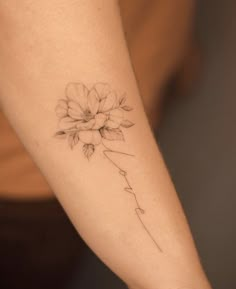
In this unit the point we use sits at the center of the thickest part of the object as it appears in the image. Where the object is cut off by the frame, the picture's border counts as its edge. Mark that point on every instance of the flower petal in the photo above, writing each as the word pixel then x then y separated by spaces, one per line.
pixel 61 108
pixel 101 104
pixel 85 125
pixel 109 103
pixel 75 110
pixel 61 112
pixel 102 89
pixel 62 103
pixel 67 123
pixel 115 118
pixel 93 101
pixel 78 93
pixel 90 136
pixel 112 124
pixel 100 120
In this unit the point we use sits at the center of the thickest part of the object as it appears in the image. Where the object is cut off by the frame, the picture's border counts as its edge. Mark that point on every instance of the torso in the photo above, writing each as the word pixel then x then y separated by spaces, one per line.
pixel 19 177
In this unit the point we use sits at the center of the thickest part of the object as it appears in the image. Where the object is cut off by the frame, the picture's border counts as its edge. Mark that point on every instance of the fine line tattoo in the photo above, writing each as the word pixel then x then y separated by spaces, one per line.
pixel 128 188
pixel 92 116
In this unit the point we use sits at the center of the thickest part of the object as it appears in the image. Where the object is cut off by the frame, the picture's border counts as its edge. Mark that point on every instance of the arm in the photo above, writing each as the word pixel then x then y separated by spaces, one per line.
pixel 61 62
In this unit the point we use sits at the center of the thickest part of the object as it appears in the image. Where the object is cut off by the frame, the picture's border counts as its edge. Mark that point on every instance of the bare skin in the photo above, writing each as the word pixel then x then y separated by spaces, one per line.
pixel 159 45
pixel 105 168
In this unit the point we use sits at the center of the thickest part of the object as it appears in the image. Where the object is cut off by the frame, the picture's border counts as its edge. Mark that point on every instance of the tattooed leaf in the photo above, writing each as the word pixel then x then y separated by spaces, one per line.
pixel 60 134
pixel 126 123
pixel 122 100
pixel 112 133
pixel 127 108
pixel 73 139
pixel 88 150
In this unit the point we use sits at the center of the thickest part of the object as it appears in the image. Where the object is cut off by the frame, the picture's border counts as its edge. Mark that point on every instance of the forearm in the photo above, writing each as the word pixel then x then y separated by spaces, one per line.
pixel 117 193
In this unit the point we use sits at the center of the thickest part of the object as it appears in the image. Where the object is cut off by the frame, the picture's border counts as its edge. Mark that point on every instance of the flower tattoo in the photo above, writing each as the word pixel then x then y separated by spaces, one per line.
pixel 90 115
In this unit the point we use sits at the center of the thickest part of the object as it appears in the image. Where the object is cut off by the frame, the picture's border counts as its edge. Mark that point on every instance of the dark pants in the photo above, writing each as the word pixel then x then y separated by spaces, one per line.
pixel 39 248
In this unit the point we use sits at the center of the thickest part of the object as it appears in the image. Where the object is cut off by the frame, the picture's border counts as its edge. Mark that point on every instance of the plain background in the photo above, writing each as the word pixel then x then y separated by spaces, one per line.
pixel 198 141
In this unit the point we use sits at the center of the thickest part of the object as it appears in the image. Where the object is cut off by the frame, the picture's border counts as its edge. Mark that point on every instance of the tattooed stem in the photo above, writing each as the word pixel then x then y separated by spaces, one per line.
pixel 128 188
pixel 87 115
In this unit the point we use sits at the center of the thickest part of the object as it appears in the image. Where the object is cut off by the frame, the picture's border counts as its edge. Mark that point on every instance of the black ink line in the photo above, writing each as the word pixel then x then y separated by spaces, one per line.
pixel 130 190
